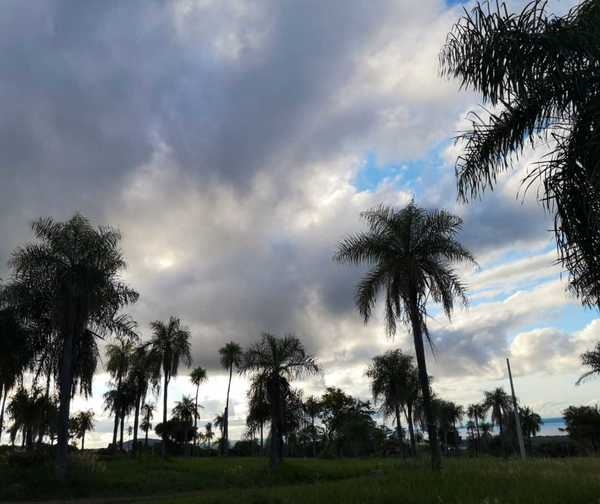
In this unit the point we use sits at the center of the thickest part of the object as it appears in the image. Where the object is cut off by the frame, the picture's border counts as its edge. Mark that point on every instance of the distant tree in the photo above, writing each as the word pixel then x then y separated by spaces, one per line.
pixel 26 413
pixel 498 403
pixel 208 434
pixel 185 411
pixel 531 423
pixel 146 425
pixel 231 357
pixel 312 408
pixel 583 424
pixel 276 361
pixel 81 423
pixel 410 252
pixel 590 359
pixel 197 377
pixel 395 383
pixel 539 74
pixel 476 412
pixel 170 346
pixel 75 268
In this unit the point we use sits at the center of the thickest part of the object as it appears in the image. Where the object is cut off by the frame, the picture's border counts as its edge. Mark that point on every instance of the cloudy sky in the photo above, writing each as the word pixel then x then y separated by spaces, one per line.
pixel 234 143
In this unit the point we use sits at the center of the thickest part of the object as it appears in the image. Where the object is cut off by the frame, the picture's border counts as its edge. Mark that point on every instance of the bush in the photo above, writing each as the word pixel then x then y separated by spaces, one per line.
pixel 28 458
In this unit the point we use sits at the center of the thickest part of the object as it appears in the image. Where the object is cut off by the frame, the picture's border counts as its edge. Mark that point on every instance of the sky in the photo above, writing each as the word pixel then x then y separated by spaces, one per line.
pixel 234 143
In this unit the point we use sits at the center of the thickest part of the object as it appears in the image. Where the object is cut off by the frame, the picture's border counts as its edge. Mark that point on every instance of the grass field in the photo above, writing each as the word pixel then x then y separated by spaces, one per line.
pixel 248 480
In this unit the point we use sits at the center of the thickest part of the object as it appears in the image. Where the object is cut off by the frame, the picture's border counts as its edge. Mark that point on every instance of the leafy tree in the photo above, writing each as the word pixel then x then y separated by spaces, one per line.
pixel 583 424
pixel 531 423
pixel 74 268
pixel 231 357
pixel 312 408
pixel 590 359
pixel 197 377
pixel 81 423
pixel 170 346
pixel 540 74
pixel 410 252
pixel 274 362
pixel 395 383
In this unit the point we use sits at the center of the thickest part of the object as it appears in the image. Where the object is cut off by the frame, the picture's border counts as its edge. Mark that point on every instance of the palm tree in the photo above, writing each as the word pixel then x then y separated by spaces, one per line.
pixel 171 346
pixel 118 359
pixel 197 376
pixel 16 355
pixel 410 252
pixel 539 73
pixel 312 407
pixel 147 410
pixel 259 410
pixel 274 362
pixel 476 412
pixel 144 372
pixel 531 423
pixel 209 434
pixel 186 412
pixel 84 421
pixel 75 268
pixel 27 414
pixel 499 403
pixel 394 383
pixel 590 359
pixel 231 356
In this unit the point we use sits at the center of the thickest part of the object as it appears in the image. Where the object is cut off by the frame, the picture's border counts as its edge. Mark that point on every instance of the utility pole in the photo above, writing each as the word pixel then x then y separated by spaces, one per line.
pixel 516 409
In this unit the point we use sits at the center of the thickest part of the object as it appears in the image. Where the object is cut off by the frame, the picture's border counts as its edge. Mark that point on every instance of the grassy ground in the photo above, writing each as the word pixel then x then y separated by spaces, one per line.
pixel 248 480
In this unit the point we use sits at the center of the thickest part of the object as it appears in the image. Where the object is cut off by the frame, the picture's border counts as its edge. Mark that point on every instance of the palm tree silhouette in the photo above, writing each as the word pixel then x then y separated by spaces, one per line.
pixel 208 434
pixel 274 362
pixel 394 383
pixel 197 377
pixel 531 423
pixel 147 412
pixel 170 346
pixel 84 422
pixel 231 356
pixel 590 359
pixel 538 75
pixel 75 268
pixel 476 412
pixel 410 252
pixel 499 404
pixel 186 412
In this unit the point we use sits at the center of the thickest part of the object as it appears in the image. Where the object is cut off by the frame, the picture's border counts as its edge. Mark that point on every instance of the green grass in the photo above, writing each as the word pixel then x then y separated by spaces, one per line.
pixel 248 480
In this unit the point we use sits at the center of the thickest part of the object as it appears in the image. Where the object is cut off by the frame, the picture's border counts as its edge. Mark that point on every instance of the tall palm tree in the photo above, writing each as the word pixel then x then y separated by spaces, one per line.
pixel 394 383
pixel 476 412
pixel 411 252
pixel 118 359
pixel 147 411
pixel 231 357
pixel 590 359
pixel 274 362
pixel 531 423
pixel 498 403
pixel 539 73
pixel 143 373
pixel 76 269
pixel 186 412
pixel 84 421
pixel 171 346
pixel 197 377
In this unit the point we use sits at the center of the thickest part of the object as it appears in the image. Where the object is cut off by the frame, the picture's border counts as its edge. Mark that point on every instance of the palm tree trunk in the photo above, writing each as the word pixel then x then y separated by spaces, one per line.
pixel 83 441
pixel 196 416
pixel 225 440
pixel 399 429
pixel 136 420
pixel 417 327
pixel 411 431
pixel 122 428
pixel 3 394
pixel 146 438
pixel 274 399
pixel 47 397
pixel 163 446
pixel 116 427
pixel 314 437
pixel 66 381
pixel 262 448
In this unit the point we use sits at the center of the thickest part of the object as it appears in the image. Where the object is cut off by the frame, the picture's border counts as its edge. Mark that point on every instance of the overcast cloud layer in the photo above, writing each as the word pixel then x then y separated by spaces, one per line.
pixel 226 140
